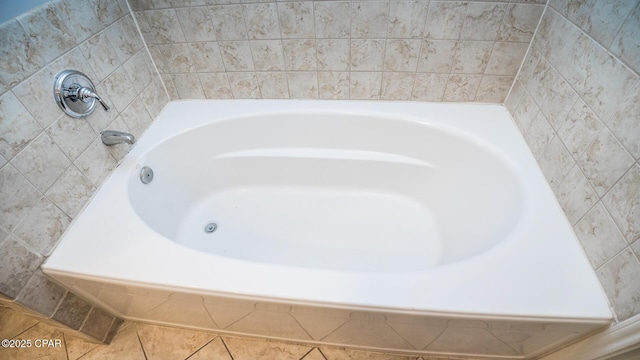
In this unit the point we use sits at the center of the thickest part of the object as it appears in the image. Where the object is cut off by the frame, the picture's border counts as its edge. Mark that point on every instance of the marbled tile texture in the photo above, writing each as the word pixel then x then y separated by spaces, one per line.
pixel 577 102
pixel 375 49
pixel 50 163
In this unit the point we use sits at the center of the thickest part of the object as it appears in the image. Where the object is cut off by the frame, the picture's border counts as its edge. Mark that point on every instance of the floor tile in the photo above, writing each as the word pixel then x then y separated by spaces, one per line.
pixel 215 350
pixel 169 343
pixel 250 349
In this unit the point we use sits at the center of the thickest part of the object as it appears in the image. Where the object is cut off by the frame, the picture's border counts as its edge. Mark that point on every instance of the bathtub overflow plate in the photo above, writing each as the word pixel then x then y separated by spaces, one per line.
pixel 210 227
pixel 146 175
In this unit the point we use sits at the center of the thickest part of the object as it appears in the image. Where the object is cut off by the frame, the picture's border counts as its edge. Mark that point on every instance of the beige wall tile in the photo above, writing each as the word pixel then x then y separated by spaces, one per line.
pixel 333 85
pixel 401 55
pixel 624 123
pixel 365 85
pixel 332 19
pixel 626 43
pixel 303 84
pixel 42 227
pixel 17 265
pixel 599 236
pixel 41 162
pixel 397 85
pixel 461 88
pixel 367 17
pixel 296 19
pixel 236 55
pixel 619 277
pixel 228 22
pixel 575 195
pixel 429 87
pixel 483 21
pixel 17 126
pixel 367 55
pixel 244 85
pixel 273 85
pixel 261 21
pixel 71 191
pixel 196 23
pixel 267 55
pixel 215 85
pixel 407 19
pixel 623 202
pixel 17 196
pixel 445 19
pixel 300 54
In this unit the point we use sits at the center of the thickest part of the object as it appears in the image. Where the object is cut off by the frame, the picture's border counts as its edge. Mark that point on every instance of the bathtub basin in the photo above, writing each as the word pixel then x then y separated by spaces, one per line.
pixel 406 227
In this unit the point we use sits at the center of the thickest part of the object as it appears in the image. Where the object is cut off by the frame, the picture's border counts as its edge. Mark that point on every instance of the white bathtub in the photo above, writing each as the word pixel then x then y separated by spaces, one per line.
pixel 406 227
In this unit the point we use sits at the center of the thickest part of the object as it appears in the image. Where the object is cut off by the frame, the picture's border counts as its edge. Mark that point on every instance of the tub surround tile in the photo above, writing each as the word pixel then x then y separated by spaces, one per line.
pixel 332 19
pixel 214 85
pixel 41 295
pixel 196 23
pixel 165 27
pixel 261 20
pixel 51 35
pixel 587 91
pixel 452 37
pixel 96 163
pixel 539 135
pixel 71 191
pixel 575 195
pixel 429 87
pixel 333 54
pixel 228 22
pixel 623 203
pixel 604 162
pixel 17 265
pixel 244 85
pixel 333 85
pixel 407 19
pixel 520 22
pixel 41 162
pixel 72 135
pixel 506 58
pixel 366 18
pixel 472 57
pixel 367 55
pixel 599 236
pixel 117 89
pixel 101 55
pixel 19 55
pixel 125 38
pixel 296 19
pixel 619 279
pixel 627 43
pixel 462 88
pixel 137 67
pixel 188 87
pixel 17 126
pixel 136 116
pixel 483 21
pixel 267 55
pixel 270 323
pixel 42 226
pixel 206 57
pixel 477 341
pixel 624 123
pixel 273 85
pixel 445 19
pixel 365 85
pixel 579 129
pixel 494 89
pixel 365 333
pixel 17 197
pixel 436 55
pixel 236 55
pixel 401 55
pixel 555 162
pixel 397 85
pixel 300 54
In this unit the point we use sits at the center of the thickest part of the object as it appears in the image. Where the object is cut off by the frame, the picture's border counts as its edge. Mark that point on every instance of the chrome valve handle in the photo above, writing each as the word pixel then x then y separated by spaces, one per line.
pixel 75 94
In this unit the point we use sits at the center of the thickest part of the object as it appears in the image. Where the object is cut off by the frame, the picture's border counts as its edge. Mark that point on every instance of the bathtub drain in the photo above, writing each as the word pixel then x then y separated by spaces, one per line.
pixel 210 227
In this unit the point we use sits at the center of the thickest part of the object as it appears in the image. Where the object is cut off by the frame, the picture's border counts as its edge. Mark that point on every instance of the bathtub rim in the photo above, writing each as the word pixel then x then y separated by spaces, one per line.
pixel 53 266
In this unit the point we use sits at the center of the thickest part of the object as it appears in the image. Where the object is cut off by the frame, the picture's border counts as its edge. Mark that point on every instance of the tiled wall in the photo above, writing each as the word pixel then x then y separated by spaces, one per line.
pixel 51 164
pixel 577 102
pixel 391 50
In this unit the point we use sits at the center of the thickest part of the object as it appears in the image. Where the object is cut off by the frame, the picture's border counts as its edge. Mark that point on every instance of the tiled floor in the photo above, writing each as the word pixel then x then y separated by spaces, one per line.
pixel 140 341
